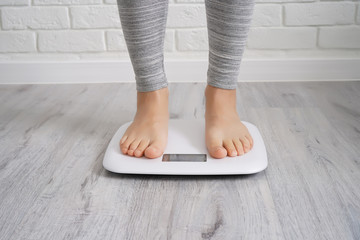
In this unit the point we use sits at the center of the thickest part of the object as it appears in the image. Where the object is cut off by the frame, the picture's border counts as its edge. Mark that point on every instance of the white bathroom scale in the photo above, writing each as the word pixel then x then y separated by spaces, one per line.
pixel 186 154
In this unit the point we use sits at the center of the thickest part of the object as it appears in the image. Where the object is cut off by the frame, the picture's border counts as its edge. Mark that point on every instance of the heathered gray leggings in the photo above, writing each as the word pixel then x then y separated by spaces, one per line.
pixel 143 24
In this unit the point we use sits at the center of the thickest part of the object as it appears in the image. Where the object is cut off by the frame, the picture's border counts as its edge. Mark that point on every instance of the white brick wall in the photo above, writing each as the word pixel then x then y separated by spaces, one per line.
pixel 51 18
pixel 83 29
pixel 72 41
pixel 282 38
pixel 19 41
pixel 319 13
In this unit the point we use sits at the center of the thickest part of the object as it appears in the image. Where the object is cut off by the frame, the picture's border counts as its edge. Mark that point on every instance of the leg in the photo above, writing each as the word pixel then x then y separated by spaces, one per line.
pixel 228 23
pixel 143 24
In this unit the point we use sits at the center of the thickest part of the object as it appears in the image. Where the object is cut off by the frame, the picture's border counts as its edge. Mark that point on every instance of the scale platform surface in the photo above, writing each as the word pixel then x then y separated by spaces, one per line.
pixel 188 154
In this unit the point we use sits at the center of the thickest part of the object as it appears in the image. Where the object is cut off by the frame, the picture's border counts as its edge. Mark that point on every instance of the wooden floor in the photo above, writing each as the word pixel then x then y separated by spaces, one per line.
pixel 53 184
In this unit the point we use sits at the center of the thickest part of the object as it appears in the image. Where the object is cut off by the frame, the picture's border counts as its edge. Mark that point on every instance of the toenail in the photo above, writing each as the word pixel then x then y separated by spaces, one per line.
pixel 233 153
pixel 218 148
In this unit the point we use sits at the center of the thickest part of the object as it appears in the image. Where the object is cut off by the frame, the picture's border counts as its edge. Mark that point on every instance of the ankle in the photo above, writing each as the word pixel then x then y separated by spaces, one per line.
pixel 156 93
pixel 157 97
pixel 211 91
pixel 218 99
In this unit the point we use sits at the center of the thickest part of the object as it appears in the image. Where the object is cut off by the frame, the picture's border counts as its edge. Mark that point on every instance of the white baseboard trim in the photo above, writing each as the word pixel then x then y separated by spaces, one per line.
pixel 252 70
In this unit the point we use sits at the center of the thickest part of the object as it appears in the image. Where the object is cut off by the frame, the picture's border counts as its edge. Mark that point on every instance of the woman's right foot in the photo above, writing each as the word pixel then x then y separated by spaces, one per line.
pixel 147 134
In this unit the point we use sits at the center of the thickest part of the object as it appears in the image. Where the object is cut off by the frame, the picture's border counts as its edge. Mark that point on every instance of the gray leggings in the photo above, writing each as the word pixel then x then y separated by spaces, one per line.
pixel 143 24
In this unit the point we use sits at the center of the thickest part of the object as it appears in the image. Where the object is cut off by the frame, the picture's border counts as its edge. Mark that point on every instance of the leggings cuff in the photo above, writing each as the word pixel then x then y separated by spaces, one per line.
pixel 151 85
pixel 219 82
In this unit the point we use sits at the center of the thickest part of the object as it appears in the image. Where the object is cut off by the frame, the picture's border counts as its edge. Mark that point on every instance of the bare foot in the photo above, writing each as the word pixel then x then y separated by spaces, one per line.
pixel 225 134
pixel 147 134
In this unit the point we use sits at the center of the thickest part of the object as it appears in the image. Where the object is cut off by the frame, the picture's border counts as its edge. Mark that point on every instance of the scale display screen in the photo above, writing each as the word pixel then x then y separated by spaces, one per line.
pixel 184 157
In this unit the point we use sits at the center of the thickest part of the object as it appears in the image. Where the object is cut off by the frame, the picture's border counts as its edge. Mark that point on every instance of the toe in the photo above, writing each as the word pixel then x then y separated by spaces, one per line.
pixel 122 140
pixel 250 139
pixel 215 148
pixel 125 145
pixel 229 146
pixel 238 146
pixel 133 146
pixel 246 144
pixel 154 150
pixel 141 148
pixel 217 151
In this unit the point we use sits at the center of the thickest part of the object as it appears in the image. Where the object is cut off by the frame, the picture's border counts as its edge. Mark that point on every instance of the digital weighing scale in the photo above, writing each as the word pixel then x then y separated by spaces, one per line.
pixel 186 154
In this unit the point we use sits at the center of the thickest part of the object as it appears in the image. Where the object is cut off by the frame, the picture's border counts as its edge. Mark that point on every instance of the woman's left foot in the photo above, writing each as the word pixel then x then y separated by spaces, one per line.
pixel 225 134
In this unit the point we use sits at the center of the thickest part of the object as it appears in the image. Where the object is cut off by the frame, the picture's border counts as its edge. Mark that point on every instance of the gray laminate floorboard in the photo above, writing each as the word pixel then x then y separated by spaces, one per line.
pixel 53 184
